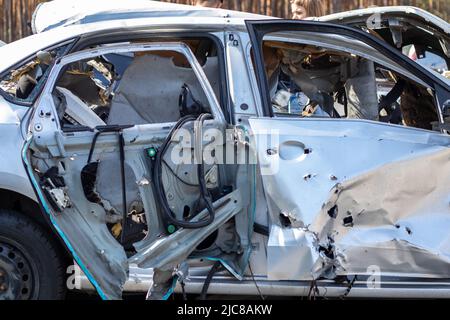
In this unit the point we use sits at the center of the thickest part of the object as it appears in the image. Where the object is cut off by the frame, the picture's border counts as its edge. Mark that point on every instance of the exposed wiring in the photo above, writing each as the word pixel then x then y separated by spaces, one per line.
pixel 313 290
pixel 183 290
pixel 119 130
pixel 216 267
pixel 123 184
pixel 349 288
pixel 93 144
pixel 256 284
pixel 159 186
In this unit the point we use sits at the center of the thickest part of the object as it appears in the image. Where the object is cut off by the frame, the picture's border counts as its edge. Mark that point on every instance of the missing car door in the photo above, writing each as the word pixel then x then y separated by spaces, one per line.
pixel 101 160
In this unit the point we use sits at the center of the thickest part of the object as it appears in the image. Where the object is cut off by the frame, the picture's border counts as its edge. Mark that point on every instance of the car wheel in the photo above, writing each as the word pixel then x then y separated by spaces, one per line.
pixel 30 265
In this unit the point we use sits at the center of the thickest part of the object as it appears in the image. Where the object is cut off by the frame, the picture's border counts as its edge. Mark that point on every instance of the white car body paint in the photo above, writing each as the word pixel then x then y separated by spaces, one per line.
pixel 82 17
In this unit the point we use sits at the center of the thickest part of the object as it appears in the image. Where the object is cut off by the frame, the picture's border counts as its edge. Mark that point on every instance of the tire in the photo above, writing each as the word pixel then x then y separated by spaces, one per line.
pixel 30 263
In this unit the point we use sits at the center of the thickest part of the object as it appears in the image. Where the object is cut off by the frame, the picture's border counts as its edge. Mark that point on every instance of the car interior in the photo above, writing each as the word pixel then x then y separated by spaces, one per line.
pixel 121 191
pixel 138 89
pixel 317 81
pixel 116 86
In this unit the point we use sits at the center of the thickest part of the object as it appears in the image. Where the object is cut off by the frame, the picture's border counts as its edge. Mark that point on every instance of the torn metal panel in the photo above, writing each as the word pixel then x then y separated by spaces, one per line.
pixel 401 26
pixel 378 196
pixel 413 14
pixel 166 253
pixel 395 217
pixel 82 227
pixel 77 109
pixel 290 253
pixel 73 206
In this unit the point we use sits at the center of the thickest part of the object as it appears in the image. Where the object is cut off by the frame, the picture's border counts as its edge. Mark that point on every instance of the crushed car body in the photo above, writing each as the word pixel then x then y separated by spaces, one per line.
pixel 167 144
pixel 376 210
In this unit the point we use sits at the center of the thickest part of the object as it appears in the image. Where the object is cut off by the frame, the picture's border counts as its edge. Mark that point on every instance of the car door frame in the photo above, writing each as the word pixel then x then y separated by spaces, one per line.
pixel 257 29
pixel 44 115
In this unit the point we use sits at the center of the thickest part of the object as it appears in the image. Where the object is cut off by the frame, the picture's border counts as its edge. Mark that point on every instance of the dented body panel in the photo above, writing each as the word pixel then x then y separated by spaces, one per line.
pixel 366 194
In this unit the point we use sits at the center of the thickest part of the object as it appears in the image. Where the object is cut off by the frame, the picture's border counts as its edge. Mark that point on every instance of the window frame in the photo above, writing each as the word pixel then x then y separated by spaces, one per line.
pixel 119 35
pixel 34 95
pixel 259 28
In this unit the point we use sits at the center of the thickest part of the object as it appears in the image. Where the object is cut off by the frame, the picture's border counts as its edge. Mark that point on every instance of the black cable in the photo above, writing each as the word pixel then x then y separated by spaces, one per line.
pixel 94 142
pixel 256 283
pixel 259 228
pixel 183 290
pixel 206 196
pixel 313 290
pixel 124 191
pixel 349 288
pixel 165 208
pixel 216 267
pixel 105 129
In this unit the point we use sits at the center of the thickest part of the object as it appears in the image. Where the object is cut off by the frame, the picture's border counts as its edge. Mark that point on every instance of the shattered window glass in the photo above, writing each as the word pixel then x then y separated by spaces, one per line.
pixel 24 83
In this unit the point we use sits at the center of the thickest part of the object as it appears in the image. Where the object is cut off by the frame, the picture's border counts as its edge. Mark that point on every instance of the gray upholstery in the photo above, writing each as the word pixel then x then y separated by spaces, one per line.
pixel 362 93
pixel 148 93
pixel 150 89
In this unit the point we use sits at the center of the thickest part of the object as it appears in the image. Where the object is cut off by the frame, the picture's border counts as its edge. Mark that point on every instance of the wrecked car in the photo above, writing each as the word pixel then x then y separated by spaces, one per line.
pixel 166 148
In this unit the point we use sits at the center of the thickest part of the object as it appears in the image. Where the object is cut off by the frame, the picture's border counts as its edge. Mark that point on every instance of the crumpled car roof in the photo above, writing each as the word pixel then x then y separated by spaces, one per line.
pixel 62 20
pixel 49 15
pixel 399 11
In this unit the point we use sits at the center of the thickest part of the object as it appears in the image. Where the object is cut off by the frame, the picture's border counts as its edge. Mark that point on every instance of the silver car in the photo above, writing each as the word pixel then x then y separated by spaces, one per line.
pixel 163 148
